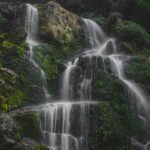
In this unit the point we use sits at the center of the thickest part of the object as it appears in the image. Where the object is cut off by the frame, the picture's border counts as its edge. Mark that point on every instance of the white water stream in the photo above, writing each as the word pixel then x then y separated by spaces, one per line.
pixel 31 27
pixel 56 117
pixel 135 94
pixel 99 44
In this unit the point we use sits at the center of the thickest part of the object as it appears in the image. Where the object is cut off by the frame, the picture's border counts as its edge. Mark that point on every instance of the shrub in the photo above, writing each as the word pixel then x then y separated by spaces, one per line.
pixel 131 32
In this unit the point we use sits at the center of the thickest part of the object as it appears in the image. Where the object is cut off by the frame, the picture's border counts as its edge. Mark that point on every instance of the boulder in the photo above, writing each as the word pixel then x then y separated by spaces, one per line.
pixel 59 23
pixel 26 120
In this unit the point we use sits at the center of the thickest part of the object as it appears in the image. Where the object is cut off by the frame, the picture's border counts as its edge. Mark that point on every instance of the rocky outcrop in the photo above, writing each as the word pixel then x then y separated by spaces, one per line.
pixel 59 23
pixel 12 22
pixel 20 131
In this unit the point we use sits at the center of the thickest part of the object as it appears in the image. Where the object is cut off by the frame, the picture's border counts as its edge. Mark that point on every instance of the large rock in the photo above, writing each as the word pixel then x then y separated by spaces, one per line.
pixel 59 23
pixel 20 131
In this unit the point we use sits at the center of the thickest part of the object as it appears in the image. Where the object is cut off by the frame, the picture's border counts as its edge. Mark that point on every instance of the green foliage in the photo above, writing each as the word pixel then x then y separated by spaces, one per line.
pixel 40 9
pixel 7 81
pixel 11 53
pixel 131 32
pixel 7 45
pixel 41 147
pixel 111 127
pixel 2 36
pixel 15 99
pixel 139 70
pixel 100 20
pixel 4 106
pixel 104 6
pixel 106 87
pixel 138 11
pixel 51 60
pixel 47 59
pixel 29 125
pixel 117 125
pixel 145 52
pixel 117 122
pixel 18 136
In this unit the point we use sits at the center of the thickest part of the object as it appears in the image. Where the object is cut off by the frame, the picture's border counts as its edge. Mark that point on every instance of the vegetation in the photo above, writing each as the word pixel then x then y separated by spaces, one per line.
pixel 139 70
pixel 29 126
pixel 129 31
pixel 40 147
pixel 20 80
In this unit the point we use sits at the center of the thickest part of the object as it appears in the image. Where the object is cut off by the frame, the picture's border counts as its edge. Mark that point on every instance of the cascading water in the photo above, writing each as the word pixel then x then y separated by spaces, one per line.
pixel 58 120
pixel 56 125
pixel 66 91
pixel 99 44
pixel 31 27
pixel 135 94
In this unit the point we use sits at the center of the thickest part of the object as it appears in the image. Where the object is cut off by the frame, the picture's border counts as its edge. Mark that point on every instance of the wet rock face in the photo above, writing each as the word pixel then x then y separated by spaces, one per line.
pixel 15 133
pixel 7 124
pixel 25 144
pixel 59 23
pixel 8 130
pixel 13 23
pixel 26 120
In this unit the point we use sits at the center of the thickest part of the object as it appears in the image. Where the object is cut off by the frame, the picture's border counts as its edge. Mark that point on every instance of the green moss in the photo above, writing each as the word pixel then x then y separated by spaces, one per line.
pixel 7 89
pixel 51 60
pixel 18 136
pixel 30 125
pixel 106 87
pixel 116 124
pixel 113 124
pixel 15 99
pixel 145 52
pixel 41 147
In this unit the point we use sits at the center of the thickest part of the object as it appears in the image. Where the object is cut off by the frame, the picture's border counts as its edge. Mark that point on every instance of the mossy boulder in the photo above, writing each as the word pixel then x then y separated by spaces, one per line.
pixel 29 125
pixel 15 127
pixel 59 23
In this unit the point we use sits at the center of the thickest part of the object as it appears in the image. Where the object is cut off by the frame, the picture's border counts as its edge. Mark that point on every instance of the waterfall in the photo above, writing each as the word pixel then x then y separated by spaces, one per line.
pixel 94 33
pixel 55 115
pixel 135 94
pixel 56 124
pixel 99 48
pixel 63 127
pixel 31 24
pixel 66 88
pixel 133 91
pixel 31 27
